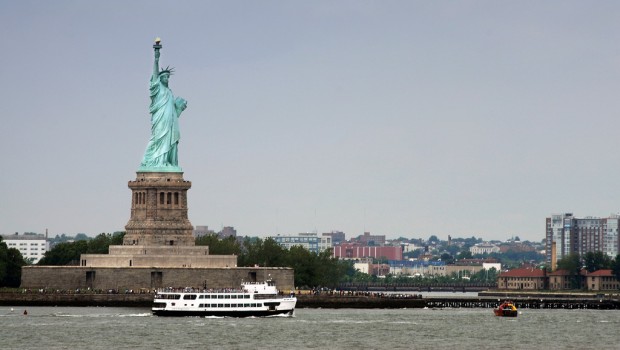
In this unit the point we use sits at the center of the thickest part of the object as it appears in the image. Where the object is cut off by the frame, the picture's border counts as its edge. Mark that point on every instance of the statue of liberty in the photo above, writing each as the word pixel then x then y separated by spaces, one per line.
pixel 161 151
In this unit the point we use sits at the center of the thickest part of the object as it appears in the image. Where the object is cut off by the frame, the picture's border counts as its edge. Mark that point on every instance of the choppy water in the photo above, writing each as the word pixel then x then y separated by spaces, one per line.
pixel 124 328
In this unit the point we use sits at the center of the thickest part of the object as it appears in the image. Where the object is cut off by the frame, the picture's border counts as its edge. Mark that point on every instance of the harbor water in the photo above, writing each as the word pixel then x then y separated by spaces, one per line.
pixel 135 328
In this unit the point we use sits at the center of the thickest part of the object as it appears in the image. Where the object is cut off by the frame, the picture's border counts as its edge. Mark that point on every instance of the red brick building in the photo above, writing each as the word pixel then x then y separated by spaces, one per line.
pixel 356 251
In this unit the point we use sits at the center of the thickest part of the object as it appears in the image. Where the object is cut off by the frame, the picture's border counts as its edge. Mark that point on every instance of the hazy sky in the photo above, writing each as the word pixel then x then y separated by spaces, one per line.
pixel 403 118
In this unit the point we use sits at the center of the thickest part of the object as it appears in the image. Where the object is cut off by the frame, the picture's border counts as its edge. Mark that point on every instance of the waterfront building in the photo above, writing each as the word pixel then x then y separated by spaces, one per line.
pixel 559 280
pixel 32 246
pixel 358 251
pixel 522 279
pixel 536 279
pixel 417 268
pixel 602 280
pixel 311 241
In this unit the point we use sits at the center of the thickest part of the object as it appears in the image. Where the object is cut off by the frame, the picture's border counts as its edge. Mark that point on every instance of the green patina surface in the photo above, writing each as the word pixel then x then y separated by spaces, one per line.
pixel 161 153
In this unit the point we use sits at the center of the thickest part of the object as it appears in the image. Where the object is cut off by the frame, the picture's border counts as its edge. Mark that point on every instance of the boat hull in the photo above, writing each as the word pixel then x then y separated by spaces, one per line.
pixel 506 313
pixel 254 299
pixel 227 313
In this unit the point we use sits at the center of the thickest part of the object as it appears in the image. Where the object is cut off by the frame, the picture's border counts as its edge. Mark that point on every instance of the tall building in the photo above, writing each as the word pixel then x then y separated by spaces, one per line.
pixel 227 231
pixel 337 237
pixel 311 241
pixel 201 231
pixel 581 235
pixel 31 246
pixel 610 237
pixel 368 239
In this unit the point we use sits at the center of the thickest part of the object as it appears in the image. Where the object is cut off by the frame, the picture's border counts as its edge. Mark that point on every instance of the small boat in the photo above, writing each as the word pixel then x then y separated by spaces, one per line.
pixel 252 299
pixel 506 309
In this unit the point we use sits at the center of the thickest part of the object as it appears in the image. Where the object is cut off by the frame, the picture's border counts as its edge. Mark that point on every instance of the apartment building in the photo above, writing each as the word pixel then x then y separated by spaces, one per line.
pixel 31 246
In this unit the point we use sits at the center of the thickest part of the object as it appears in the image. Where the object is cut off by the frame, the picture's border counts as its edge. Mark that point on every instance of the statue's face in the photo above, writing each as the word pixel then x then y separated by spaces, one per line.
pixel 164 78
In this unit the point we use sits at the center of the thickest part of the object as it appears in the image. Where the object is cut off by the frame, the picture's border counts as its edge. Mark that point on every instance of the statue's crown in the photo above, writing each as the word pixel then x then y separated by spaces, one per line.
pixel 168 70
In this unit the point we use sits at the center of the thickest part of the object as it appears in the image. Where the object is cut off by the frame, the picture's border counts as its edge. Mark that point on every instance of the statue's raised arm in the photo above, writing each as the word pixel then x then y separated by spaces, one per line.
pixel 161 152
pixel 156 48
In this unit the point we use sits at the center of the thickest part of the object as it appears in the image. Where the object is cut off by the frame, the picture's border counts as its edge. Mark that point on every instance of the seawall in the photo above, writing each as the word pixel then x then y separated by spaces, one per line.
pixel 326 301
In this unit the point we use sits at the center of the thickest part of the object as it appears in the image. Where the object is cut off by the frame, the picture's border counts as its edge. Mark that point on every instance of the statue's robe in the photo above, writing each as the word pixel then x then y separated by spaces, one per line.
pixel 161 150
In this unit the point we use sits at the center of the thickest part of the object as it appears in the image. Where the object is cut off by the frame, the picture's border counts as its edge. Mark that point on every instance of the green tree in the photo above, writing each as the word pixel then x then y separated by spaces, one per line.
pixel 99 244
pixel 596 261
pixel 447 258
pixel 262 252
pixel 11 262
pixel 615 267
pixel 217 246
pixel 464 254
pixel 572 264
pixel 305 265
pixel 117 238
pixel 67 253
pixel 81 237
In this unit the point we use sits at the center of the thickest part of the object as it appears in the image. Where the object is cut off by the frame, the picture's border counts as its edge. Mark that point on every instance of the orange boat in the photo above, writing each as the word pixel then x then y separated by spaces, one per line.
pixel 506 309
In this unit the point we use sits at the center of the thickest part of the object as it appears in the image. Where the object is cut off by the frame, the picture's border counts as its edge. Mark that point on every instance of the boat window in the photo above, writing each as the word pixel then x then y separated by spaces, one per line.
pixel 201 296
pixel 170 296
pixel 220 297
pixel 226 305
pixel 226 296
pixel 246 296
pixel 207 296
pixel 220 305
pixel 189 297
pixel 246 305
pixel 234 296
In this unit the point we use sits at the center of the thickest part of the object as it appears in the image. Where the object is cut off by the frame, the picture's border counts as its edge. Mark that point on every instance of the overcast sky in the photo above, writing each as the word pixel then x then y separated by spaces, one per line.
pixel 402 118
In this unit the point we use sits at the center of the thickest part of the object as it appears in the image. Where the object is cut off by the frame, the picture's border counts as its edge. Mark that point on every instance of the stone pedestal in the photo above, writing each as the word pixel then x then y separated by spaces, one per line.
pixel 159 211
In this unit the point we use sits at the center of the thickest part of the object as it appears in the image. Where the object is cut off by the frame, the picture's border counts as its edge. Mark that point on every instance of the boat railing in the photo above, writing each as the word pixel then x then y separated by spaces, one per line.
pixel 200 290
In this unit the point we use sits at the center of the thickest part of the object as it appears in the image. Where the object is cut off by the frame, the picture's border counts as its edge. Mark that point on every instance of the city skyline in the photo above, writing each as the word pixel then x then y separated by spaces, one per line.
pixel 401 118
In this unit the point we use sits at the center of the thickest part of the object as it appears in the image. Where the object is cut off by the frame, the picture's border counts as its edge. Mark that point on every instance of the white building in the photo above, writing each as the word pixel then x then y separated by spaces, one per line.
pixel 31 246
pixel 484 248
pixel 363 267
pixel 311 241
pixel 488 266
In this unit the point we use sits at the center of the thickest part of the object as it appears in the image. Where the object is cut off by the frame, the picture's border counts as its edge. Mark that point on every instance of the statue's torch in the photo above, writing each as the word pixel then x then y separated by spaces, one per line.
pixel 157 45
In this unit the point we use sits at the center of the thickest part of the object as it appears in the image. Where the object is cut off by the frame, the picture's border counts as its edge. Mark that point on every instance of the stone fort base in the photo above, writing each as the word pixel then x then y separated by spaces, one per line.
pixel 136 278
pixel 158 256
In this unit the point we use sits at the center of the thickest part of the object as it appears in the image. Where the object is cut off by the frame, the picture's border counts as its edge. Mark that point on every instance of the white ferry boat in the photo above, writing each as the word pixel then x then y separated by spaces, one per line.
pixel 253 299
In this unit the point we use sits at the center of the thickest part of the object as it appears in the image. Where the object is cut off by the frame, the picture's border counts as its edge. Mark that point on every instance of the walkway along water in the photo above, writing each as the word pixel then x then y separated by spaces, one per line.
pixel 354 300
